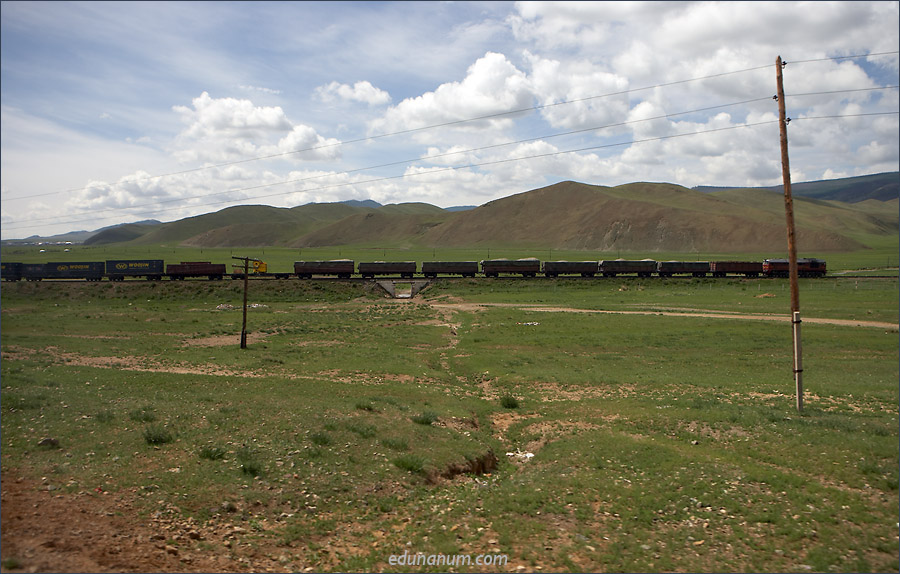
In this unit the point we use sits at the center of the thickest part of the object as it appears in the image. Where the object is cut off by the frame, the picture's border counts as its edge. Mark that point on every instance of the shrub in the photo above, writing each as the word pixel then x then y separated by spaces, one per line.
pixel 156 434
pixel 509 402
pixel 248 462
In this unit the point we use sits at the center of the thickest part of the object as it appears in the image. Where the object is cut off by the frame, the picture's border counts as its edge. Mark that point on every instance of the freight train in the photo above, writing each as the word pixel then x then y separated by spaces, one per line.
pixel 157 269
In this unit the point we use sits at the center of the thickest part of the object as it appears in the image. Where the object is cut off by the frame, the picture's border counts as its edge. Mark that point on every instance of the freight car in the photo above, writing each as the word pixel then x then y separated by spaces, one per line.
pixel 746 268
pixel 641 268
pixel 342 268
pixel 180 271
pixel 405 269
pixel 152 269
pixel 528 267
pixel 11 271
pixel 808 267
pixel 583 268
pixel 693 268
pixel 256 269
pixel 434 268
pixel 89 270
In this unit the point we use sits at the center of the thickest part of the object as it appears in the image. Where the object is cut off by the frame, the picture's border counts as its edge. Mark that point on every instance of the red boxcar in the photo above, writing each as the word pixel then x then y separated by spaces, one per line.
pixel 807 267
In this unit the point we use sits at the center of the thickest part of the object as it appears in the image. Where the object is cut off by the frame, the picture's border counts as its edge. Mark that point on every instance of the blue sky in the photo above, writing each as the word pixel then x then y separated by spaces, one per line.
pixel 121 111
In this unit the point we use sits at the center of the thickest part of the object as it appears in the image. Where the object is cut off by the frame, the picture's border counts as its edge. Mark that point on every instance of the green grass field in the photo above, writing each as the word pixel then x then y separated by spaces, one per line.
pixel 664 434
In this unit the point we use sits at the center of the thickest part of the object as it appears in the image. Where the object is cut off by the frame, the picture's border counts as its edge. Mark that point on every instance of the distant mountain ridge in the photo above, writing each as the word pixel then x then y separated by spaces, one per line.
pixel 881 187
pixel 647 217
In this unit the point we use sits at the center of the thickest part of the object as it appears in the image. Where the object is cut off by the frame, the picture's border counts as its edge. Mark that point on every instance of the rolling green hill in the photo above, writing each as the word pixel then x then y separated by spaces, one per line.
pixel 646 217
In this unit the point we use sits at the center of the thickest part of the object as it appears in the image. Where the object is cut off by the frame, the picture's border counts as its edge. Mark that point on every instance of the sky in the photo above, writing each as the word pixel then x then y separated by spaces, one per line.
pixel 115 112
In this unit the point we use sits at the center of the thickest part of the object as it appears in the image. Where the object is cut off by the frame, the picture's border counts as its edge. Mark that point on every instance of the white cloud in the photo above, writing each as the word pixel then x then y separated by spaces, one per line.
pixel 228 129
pixel 362 91
pixel 492 85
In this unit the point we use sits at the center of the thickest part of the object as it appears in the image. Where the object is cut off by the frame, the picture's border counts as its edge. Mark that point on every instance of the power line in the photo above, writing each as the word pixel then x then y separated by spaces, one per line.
pixel 458 122
pixel 435 171
pixel 836 58
pixel 410 130
pixel 433 157
pixel 457 152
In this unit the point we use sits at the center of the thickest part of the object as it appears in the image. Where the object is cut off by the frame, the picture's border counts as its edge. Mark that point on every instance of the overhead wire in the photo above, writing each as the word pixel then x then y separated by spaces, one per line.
pixel 410 130
pixel 407 161
pixel 443 169
pixel 456 152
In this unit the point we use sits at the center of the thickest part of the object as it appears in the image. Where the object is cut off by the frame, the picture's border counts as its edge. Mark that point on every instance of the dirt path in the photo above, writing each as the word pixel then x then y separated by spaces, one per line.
pixel 471 307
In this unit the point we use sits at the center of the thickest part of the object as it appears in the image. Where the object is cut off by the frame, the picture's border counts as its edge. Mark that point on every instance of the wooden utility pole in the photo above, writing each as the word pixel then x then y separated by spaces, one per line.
pixel 246 261
pixel 792 244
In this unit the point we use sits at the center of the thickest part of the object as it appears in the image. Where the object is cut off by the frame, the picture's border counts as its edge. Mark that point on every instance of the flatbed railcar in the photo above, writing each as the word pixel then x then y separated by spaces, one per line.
pixel 406 269
pixel 641 268
pixel 185 269
pixel 432 269
pixel 693 268
pixel 583 268
pixel 745 268
pixel 342 268
pixel 528 267
pixel 119 269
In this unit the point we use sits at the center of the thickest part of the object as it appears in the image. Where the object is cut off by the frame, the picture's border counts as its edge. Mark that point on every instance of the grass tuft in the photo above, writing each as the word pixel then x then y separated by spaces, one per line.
pixel 249 464
pixel 142 415
pixel 157 434
pixel 396 443
pixel 320 438
pixel 212 453
pixel 426 418
pixel 411 463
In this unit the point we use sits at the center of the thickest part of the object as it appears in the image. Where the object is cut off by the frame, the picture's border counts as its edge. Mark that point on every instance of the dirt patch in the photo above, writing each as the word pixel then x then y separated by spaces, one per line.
pixel 548 431
pixel 224 340
pixel 503 420
pixel 483 464
pixel 95 531
pixel 124 363
pixel 473 307
pixel 551 392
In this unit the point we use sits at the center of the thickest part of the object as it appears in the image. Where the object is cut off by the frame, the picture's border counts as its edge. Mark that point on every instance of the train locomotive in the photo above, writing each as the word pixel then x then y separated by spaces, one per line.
pixel 157 269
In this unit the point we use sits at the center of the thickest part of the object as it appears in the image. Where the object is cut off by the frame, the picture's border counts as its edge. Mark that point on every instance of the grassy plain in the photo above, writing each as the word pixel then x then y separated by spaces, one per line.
pixel 356 427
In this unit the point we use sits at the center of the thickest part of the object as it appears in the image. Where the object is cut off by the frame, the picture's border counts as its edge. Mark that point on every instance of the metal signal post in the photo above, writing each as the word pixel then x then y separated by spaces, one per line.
pixel 792 245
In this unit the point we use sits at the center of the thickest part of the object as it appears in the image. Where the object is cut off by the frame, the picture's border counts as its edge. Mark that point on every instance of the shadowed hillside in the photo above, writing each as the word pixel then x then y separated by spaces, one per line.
pixel 644 217
pixel 880 186
pixel 636 217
